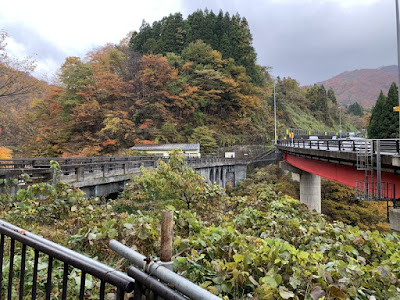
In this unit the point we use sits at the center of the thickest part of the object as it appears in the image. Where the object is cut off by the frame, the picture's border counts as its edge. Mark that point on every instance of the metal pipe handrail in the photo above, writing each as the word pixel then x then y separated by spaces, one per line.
pixel 153 284
pixel 111 277
pixel 180 283
pixel 94 265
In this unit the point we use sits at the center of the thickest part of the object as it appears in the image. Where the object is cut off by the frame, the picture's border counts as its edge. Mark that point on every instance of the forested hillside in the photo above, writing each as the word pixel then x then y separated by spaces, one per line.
pixel 255 242
pixel 228 35
pixel 176 81
pixel 17 90
pixel 362 86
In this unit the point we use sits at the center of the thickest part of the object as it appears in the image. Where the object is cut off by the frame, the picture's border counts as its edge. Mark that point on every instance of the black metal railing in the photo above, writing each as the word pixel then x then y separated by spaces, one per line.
pixel 31 266
pixel 305 133
pixel 390 146
pixel 367 190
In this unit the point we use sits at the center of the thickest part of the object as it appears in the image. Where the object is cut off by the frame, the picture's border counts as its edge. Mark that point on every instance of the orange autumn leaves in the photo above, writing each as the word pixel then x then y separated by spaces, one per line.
pixel 116 97
pixel 5 153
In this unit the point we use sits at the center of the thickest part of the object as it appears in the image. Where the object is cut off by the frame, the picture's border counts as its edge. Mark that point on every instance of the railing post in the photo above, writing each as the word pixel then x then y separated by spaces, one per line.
pixel 167 236
pixel 80 173
pixel 126 166
pixel 105 170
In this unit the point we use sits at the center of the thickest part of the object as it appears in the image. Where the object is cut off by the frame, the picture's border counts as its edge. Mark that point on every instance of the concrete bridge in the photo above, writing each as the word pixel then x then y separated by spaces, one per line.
pixel 105 175
pixel 371 167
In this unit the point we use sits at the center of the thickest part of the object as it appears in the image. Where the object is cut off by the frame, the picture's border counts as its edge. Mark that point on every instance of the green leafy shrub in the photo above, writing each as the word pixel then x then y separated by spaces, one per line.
pixel 255 243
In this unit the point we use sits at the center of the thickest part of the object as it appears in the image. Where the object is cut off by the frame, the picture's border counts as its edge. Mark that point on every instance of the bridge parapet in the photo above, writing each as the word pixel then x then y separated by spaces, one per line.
pixel 372 167
pixel 390 146
pixel 343 150
pixel 105 175
pixel 45 162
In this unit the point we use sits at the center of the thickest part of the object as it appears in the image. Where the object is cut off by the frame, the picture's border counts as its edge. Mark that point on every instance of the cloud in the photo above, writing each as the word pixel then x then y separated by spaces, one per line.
pixel 25 42
pixel 311 41
pixel 308 40
pixel 51 30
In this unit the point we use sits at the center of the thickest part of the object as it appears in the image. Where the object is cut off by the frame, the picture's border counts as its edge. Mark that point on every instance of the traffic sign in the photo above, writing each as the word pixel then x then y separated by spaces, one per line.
pixel 395 108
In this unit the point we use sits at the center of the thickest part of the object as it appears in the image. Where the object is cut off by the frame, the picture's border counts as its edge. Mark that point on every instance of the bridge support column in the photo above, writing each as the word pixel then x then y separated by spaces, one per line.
pixel 80 174
pixel 240 173
pixel 224 171
pixel 310 190
pixel 394 219
pixel 310 186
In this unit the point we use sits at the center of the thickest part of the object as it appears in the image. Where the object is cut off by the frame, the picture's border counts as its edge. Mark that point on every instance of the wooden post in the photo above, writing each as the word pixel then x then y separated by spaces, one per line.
pixel 167 234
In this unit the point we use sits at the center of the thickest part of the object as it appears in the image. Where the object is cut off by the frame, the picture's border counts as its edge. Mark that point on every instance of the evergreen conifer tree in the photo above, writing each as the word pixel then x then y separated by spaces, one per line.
pixel 331 95
pixel 356 109
pixel 229 35
pixel 384 122
pixel 393 117
pixel 375 127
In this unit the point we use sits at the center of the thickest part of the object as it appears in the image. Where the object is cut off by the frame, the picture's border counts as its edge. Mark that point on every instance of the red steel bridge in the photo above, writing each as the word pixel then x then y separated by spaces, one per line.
pixel 371 167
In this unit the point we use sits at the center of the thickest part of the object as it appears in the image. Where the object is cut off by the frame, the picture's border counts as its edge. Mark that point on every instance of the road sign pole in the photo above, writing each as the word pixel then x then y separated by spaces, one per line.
pixel 398 53
pixel 274 115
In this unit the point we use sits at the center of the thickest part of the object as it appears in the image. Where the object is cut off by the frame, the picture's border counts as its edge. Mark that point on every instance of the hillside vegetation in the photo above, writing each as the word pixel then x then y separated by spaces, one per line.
pixel 175 81
pixel 256 243
pixel 17 90
pixel 362 86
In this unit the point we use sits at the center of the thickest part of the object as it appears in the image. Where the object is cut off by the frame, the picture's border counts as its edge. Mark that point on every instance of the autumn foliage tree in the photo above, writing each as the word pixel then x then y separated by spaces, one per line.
pixel 176 81
pixel 5 153
pixel 17 89
pixel 15 78
pixel 111 100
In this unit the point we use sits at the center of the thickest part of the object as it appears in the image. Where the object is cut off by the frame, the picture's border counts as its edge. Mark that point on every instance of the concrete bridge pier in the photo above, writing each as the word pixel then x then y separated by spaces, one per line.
pixel 223 175
pixel 310 190
pixel 310 186
pixel 394 219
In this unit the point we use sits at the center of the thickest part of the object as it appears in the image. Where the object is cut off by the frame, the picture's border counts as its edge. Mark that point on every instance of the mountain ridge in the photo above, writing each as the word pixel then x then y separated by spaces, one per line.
pixel 362 85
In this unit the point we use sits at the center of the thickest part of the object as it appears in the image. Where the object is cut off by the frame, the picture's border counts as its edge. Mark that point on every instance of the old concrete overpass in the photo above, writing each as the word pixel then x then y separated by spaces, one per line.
pixel 371 167
pixel 106 175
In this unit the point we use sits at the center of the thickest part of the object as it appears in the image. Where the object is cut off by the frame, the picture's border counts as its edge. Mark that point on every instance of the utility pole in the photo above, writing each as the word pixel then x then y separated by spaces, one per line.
pixel 340 121
pixel 274 113
pixel 398 53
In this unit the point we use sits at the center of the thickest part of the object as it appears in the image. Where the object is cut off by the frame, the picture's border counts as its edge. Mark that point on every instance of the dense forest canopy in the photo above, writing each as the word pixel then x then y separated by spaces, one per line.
pixel 117 98
pixel 176 81
pixel 230 35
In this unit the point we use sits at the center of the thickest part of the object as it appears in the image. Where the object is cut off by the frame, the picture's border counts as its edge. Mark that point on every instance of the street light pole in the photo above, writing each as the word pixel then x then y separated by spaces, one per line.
pixel 398 54
pixel 274 113
pixel 340 123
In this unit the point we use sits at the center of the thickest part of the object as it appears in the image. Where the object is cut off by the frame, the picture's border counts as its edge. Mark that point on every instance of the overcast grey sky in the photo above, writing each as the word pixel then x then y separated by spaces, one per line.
pixel 308 40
